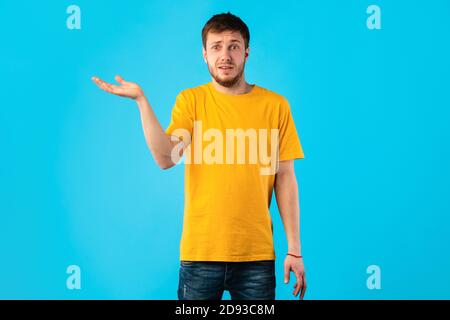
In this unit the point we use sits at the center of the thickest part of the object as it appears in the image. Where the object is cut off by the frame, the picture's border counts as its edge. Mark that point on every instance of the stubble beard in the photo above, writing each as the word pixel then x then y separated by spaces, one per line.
pixel 230 82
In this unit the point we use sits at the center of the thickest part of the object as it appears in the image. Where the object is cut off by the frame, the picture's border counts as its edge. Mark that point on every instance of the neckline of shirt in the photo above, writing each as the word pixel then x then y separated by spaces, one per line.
pixel 252 92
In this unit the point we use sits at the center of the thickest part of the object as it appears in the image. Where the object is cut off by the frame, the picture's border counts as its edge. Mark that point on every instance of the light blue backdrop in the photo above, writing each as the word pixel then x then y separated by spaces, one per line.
pixel 79 186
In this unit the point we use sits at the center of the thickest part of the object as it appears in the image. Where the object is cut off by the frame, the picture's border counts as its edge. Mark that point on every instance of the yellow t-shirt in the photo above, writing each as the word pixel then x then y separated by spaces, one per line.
pixel 227 192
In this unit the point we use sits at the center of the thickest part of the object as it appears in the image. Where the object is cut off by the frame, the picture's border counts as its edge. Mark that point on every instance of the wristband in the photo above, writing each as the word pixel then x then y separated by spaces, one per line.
pixel 290 254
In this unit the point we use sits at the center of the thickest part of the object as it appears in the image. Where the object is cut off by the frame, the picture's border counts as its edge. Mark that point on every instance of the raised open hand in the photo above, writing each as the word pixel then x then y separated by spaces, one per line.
pixel 125 89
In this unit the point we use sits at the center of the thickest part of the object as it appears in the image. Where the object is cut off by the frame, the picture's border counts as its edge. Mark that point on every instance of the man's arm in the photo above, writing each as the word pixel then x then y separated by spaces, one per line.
pixel 159 143
pixel 286 192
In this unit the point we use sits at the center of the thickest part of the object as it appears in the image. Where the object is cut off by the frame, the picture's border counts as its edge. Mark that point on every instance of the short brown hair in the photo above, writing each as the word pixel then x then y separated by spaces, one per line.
pixel 226 22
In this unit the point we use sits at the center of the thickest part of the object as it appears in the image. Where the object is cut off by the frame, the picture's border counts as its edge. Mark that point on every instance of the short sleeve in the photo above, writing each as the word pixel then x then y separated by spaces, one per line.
pixel 290 146
pixel 182 116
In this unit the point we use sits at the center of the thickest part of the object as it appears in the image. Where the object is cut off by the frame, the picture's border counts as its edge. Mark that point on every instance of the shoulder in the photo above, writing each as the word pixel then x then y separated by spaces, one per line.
pixel 194 92
pixel 274 97
pixel 187 98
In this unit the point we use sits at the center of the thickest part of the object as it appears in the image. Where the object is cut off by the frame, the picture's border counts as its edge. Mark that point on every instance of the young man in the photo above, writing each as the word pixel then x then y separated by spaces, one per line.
pixel 227 240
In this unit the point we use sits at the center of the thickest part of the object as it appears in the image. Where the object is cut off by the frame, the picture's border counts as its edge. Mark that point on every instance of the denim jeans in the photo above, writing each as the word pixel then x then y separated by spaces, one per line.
pixel 207 280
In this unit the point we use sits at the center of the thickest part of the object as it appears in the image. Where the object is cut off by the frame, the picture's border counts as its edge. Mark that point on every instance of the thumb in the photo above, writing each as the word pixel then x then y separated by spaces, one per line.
pixel 287 269
pixel 119 79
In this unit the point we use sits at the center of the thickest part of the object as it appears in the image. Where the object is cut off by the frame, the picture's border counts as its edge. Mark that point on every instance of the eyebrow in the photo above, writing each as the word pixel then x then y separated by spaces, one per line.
pixel 220 41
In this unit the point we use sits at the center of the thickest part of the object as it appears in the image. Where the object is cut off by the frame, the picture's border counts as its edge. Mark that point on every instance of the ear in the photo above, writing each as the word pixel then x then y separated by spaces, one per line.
pixel 247 51
pixel 204 55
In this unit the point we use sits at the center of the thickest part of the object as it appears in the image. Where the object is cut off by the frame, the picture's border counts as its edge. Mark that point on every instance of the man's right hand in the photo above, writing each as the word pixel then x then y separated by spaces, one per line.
pixel 125 89
pixel 159 143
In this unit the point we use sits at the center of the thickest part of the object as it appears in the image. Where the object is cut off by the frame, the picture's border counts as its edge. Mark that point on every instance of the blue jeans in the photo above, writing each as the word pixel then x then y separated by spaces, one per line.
pixel 207 280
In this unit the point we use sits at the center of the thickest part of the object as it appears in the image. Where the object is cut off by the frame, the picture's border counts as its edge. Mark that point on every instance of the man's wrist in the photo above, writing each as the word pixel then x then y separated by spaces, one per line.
pixel 295 250
pixel 141 100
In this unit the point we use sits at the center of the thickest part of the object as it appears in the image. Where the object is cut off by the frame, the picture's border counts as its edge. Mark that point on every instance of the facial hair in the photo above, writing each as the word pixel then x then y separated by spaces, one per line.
pixel 227 83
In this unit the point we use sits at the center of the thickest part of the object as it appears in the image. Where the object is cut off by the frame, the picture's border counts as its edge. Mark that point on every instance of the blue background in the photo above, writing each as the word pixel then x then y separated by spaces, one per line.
pixel 79 186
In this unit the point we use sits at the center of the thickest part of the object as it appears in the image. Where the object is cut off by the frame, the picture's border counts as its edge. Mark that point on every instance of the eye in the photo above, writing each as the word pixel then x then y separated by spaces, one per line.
pixel 215 47
pixel 234 47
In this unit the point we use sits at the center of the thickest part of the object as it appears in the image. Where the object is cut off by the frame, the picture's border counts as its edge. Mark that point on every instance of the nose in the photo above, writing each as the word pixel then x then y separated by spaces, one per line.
pixel 225 56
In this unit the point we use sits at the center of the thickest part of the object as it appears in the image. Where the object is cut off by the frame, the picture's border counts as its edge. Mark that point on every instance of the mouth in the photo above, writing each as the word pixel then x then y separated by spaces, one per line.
pixel 226 67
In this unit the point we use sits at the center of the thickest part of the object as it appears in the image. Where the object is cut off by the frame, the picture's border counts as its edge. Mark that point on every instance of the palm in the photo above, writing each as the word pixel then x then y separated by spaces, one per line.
pixel 125 89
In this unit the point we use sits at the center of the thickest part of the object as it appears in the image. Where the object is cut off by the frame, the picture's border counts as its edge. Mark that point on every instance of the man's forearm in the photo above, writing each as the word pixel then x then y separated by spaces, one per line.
pixel 157 140
pixel 286 190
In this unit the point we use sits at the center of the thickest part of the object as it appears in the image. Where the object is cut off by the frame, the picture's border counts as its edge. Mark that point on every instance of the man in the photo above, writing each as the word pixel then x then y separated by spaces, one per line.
pixel 227 240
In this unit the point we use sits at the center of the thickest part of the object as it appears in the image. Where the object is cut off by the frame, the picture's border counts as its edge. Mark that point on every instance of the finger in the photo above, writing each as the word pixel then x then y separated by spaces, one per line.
pixel 106 86
pixel 298 285
pixel 97 80
pixel 119 79
pixel 287 269
pixel 102 84
pixel 302 295
pixel 114 87
pixel 117 90
pixel 111 88
pixel 297 288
